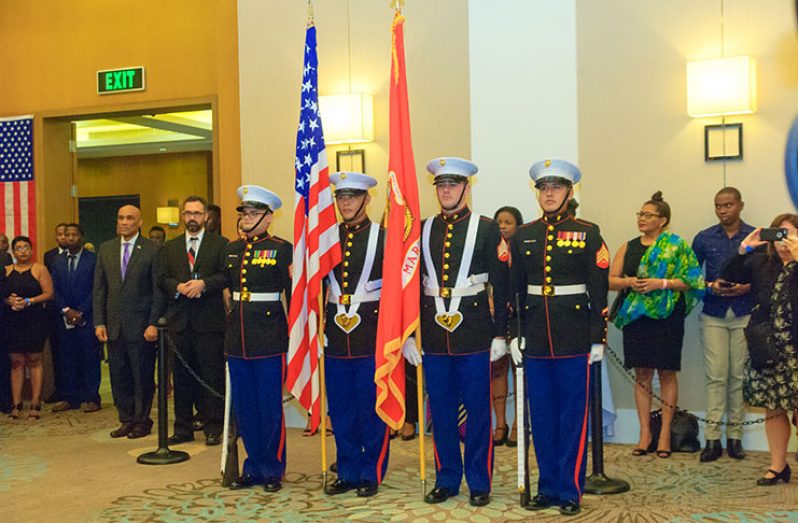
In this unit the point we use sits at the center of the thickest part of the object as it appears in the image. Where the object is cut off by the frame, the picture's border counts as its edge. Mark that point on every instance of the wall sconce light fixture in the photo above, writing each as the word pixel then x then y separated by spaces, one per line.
pixel 348 118
pixel 721 87
pixel 168 216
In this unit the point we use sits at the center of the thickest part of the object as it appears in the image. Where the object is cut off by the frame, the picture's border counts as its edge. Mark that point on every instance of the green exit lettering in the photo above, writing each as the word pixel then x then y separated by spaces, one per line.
pixel 120 80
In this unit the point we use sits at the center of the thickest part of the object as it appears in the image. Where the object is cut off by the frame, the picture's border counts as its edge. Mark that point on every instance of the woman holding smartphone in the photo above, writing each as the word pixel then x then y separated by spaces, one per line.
pixel 771 269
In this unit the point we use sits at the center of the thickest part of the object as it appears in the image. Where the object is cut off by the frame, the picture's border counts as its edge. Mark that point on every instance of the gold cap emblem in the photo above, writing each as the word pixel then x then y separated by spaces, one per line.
pixel 343 176
pixel 442 161
pixel 548 163
pixel 246 190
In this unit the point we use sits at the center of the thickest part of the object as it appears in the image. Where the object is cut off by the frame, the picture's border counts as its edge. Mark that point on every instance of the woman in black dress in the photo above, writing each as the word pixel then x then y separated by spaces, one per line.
pixel 27 287
pixel 658 279
pixel 773 275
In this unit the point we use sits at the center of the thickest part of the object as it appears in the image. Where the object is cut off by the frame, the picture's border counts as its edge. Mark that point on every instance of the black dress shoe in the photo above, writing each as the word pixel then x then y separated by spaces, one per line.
pixel 479 499
pixel 212 440
pixel 438 495
pixel 139 431
pixel 177 439
pixel 570 508
pixel 712 451
pixel 244 481
pixel 122 431
pixel 539 502
pixel 272 485
pixel 784 476
pixel 734 448
pixel 338 486
pixel 367 489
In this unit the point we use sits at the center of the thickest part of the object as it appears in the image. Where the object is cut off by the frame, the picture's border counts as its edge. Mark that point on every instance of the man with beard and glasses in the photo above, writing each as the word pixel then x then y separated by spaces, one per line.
pixel 192 280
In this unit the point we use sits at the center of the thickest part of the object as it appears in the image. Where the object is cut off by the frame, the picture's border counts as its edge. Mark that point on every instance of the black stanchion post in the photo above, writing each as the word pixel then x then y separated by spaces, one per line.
pixel 162 456
pixel 598 482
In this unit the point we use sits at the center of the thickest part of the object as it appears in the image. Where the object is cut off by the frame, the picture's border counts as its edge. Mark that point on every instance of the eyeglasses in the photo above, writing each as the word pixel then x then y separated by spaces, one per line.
pixel 554 187
pixel 251 215
pixel 647 215
pixel 22 248
pixel 193 214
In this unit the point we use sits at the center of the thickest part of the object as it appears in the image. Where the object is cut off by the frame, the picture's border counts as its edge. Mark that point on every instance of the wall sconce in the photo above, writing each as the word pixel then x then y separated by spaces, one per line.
pixel 721 87
pixel 348 118
pixel 168 215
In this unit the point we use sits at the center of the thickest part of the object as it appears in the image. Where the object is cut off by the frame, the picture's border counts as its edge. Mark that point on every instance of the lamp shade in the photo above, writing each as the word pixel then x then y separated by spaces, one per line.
pixel 721 87
pixel 168 215
pixel 347 118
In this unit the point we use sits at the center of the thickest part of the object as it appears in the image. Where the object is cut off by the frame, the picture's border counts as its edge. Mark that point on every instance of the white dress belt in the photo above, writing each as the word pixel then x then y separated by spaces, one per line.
pixel 256 296
pixel 477 282
pixel 556 290
pixel 348 299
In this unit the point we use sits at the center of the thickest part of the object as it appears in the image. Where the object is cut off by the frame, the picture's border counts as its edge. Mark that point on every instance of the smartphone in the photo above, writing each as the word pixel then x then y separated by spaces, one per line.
pixel 773 234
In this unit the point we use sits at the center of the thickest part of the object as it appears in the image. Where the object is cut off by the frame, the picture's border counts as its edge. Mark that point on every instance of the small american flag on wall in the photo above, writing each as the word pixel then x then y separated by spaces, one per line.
pixel 17 189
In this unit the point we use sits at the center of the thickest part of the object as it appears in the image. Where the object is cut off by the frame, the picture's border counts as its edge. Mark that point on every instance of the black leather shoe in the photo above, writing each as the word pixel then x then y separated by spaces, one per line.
pixel 712 451
pixel 212 440
pixel 244 481
pixel 139 431
pixel 177 439
pixel 734 448
pixel 367 489
pixel 438 495
pixel 338 486
pixel 570 508
pixel 784 476
pixel 539 502
pixel 479 499
pixel 272 485
pixel 123 430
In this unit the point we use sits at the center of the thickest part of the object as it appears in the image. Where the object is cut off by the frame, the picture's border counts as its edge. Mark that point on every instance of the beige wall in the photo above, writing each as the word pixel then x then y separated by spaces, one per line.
pixel 271 37
pixel 635 136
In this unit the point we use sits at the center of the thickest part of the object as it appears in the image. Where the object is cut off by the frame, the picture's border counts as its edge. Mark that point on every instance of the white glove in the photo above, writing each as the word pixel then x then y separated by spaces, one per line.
pixel 596 353
pixel 498 348
pixel 515 351
pixel 410 352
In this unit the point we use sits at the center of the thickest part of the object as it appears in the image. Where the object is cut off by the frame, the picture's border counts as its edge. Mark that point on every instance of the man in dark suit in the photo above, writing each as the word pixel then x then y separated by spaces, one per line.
pixel 79 357
pixel 60 248
pixel 53 318
pixel 127 305
pixel 192 281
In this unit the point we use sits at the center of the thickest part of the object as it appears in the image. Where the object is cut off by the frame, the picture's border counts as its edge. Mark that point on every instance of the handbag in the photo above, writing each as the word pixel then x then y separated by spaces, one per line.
pixel 616 304
pixel 761 346
pixel 684 431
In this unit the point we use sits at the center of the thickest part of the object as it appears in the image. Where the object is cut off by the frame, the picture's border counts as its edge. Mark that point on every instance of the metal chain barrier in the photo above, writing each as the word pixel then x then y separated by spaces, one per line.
pixel 215 393
pixel 631 377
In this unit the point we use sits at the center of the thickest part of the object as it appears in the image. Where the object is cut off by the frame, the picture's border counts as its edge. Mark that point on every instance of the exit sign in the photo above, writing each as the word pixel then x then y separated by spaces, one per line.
pixel 125 80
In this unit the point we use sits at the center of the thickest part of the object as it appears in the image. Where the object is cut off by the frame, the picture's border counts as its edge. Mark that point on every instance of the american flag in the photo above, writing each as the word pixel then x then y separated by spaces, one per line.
pixel 17 189
pixel 316 246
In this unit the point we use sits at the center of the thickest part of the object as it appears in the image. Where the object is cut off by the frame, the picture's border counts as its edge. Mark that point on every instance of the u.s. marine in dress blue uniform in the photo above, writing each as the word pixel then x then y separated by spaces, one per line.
pixel 258 272
pixel 462 254
pixel 560 272
pixel 353 290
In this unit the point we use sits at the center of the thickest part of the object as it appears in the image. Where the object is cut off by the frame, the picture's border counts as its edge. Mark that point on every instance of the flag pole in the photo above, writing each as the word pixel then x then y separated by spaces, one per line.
pixel 322 394
pixel 422 463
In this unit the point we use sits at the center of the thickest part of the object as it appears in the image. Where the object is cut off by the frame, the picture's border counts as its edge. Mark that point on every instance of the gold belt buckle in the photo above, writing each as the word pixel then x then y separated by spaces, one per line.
pixel 548 290
pixel 245 296
pixel 445 292
pixel 345 299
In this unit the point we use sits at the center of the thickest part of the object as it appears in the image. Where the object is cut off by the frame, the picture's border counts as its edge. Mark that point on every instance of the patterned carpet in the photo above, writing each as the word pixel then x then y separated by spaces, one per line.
pixel 65 465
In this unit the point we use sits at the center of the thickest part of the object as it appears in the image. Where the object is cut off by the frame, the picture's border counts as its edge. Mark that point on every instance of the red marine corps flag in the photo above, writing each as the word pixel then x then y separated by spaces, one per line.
pixel 399 302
